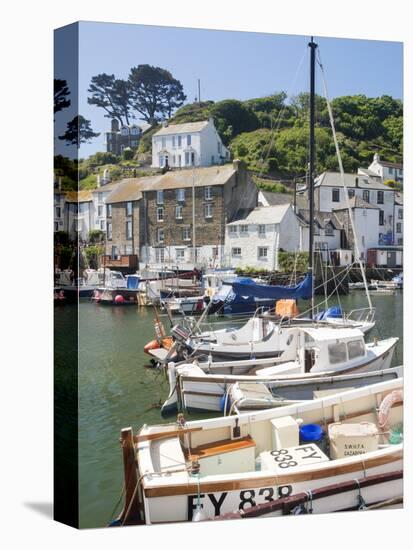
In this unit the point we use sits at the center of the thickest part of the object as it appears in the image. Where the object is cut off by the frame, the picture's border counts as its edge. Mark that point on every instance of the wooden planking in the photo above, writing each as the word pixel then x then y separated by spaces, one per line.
pixel 221 447
pixel 270 480
pixel 164 435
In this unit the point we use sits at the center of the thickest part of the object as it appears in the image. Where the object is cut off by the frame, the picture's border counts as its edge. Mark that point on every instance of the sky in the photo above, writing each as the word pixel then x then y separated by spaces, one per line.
pixel 229 64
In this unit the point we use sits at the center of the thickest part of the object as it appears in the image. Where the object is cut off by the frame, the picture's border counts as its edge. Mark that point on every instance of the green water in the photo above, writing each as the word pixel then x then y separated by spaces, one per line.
pixel 116 391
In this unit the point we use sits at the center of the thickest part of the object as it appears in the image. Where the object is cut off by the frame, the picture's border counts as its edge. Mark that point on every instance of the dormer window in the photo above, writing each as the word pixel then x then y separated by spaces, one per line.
pixel 124 131
pixel 134 131
pixel 188 139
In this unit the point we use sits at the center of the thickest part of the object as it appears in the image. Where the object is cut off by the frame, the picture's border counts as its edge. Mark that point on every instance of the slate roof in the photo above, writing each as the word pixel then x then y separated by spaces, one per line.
pixel 275 199
pixel 186 128
pixel 131 189
pixel 264 215
pixel 358 202
pixel 333 179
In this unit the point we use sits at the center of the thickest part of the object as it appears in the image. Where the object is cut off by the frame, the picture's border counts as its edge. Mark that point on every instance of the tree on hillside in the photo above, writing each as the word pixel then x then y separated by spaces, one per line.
pixel 61 94
pixel 112 95
pixel 154 92
pixel 78 131
pixel 232 117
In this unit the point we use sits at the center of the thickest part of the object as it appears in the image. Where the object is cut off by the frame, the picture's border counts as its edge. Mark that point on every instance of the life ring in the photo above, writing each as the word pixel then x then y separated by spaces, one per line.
pixel 396 396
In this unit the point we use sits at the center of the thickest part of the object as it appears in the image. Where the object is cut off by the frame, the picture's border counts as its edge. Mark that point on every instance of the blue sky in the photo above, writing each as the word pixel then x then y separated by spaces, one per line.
pixel 232 64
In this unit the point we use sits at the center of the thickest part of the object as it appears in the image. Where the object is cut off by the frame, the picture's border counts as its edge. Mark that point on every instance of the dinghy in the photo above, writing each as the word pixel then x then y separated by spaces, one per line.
pixel 205 468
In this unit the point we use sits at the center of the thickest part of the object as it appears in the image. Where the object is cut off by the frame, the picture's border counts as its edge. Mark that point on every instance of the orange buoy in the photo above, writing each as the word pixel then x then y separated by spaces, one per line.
pixel 119 299
pixel 153 344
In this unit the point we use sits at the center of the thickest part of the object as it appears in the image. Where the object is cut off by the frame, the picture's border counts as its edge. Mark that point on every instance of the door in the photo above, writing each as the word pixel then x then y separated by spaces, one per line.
pixel 391 258
pixel 308 360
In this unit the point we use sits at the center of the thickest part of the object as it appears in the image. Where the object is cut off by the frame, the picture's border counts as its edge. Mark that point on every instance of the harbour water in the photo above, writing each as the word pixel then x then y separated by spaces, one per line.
pixel 116 391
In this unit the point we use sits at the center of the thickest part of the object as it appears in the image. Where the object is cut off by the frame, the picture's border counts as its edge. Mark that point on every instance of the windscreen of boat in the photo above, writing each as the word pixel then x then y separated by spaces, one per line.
pixel 355 349
pixel 337 352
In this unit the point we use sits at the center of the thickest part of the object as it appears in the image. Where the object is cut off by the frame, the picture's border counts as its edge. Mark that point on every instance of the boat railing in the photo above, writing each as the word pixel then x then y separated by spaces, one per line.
pixel 364 314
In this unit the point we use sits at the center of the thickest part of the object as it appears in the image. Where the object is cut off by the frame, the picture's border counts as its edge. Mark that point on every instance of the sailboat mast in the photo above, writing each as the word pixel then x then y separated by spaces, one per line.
pixel 312 45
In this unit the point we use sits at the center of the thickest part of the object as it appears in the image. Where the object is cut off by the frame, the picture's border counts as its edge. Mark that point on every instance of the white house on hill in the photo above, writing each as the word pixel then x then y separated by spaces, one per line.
pixel 256 239
pixel 386 170
pixel 189 144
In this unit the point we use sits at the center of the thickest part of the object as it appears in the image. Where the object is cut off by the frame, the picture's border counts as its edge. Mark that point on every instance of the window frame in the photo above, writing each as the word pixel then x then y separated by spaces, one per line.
pixel 335 194
pixel 160 211
pixel 128 230
pixel 234 253
pixel 208 212
pixel 179 209
pixel 261 256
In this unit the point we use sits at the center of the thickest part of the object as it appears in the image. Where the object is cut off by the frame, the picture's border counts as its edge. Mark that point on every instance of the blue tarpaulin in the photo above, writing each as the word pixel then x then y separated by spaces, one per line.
pixel 247 287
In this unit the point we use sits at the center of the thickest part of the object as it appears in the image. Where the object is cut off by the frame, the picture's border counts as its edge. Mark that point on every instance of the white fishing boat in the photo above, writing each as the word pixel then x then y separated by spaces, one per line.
pixel 197 470
pixel 188 305
pixel 200 386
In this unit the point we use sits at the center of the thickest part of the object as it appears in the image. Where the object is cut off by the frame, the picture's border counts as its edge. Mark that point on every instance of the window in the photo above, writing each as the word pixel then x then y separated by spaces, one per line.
pixel 173 141
pixel 129 209
pixel 134 131
pixel 125 131
pixel 208 210
pixel 398 227
pixel 163 142
pixel 58 211
pixel 159 197
pixel 187 159
pixel 366 195
pixel 178 212
pixel 159 255
pixel 109 231
pixel 233 230
pixel 351 193
pixel 336 195
pixel 243 229
pixel 337 353
pixel 208 193
pixel 129 230
pixel 262 252
pixel 134 143
pixel 180 254
pixel 188 139
pixel 180 195
pixel 236 251
pixel 160 235
pixel 56 226
pixel 380 197
pixel 261 230
pixel 400 240
pixel 100 210
pixel 381 217
pixel 159 214
pixel 179 141
pixel 328 229
pixel 212 159
pixel 390 170
pixel 108 210
pixel 186 233
pixel 355 349
pixel 100 198
pixel 400 214
pixel 102 225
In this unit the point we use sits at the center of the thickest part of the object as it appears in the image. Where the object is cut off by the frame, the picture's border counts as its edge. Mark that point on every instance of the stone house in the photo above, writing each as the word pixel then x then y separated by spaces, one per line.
pixel 189 144
pixel 119 138
pixel 172 212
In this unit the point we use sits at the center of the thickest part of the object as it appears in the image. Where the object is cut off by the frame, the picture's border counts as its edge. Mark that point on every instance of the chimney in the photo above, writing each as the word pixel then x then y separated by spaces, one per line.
pixel 236 163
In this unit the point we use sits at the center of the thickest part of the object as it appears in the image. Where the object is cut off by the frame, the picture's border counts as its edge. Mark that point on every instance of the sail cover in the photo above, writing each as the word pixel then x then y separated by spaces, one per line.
pixel 248 287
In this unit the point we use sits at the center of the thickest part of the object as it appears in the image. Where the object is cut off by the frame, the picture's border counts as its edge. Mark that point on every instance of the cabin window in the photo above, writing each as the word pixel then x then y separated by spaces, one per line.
pixel 337 353
pixel 336 195
pixel 355 349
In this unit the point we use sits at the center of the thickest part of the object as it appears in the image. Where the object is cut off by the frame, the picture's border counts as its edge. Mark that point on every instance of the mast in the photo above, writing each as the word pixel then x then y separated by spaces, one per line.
pixel 312 45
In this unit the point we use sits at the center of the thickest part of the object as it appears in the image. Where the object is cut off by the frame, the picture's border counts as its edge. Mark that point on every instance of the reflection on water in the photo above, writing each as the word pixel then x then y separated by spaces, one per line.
pixel 115 390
